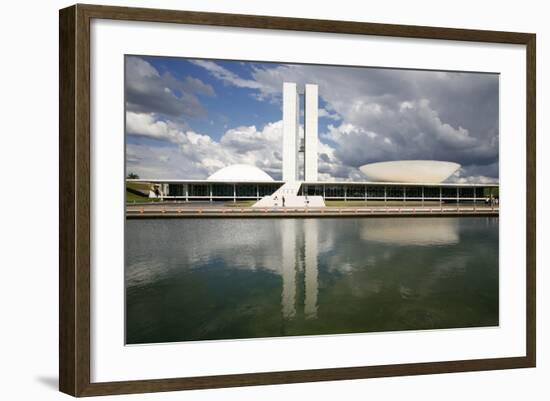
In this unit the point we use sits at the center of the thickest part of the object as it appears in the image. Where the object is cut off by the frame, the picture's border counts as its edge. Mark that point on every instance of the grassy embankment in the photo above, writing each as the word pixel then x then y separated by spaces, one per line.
pixel 372 203
pixel 138 192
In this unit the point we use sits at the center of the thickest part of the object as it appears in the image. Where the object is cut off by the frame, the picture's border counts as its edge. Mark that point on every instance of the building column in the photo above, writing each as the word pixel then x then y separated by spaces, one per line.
pixel 422 196
pixel 440 197
pixel 234 193
pixel 290 131
pixel 385 196
pixel 210 192
pixel 187 192
pixel 311 107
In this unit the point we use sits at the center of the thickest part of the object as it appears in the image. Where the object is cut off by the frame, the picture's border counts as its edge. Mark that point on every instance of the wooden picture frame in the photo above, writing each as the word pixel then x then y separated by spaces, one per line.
pixel 74 202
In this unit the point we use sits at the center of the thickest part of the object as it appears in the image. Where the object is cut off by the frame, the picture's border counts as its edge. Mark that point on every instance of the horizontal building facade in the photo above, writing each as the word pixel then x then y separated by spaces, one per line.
pixel 203 190
pixel 395 191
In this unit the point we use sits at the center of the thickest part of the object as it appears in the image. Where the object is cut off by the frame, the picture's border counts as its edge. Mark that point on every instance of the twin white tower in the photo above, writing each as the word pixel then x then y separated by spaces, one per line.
pixel 291 132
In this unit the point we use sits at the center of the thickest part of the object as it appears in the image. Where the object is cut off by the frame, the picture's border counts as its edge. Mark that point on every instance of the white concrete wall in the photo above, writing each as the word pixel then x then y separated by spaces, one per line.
pixel 290 129
pixel 311 134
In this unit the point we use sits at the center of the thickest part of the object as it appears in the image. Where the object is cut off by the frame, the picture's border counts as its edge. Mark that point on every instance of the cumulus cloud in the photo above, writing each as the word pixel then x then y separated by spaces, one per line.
pixel 194 155
pixel 389 114
pixel 226 75
pixel 151 92
pixel 412 130
pixel 373 114
pixel 195 85
pixel 324 113
pixel 477 174
pixel 146 125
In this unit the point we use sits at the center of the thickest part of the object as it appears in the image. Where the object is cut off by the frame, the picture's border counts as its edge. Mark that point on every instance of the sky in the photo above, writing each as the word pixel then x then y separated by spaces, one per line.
pixel 187 118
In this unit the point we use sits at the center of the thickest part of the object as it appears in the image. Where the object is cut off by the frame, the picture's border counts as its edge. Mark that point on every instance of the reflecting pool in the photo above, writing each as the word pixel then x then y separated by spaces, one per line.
pixel 205 279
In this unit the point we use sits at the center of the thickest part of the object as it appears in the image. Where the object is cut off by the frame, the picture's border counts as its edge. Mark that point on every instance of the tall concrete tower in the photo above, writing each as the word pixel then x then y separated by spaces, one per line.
pixel 310 132
pixel 291 129
pixel 291 125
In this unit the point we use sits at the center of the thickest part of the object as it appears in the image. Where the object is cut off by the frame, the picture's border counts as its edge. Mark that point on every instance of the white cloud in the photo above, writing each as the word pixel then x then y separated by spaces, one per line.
pixel 225 75
pixel 474 179
pixel 474 174
pixel 378 115
pixel 139 70
pixel 192 155
pixel 145 124
pixel 151 92
pixel 326 114
pixel 195 155
pixel 422 114
pixel 354 145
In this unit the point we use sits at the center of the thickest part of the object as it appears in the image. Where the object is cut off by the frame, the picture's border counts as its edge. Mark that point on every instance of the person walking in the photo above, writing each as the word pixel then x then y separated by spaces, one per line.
pixel 283 201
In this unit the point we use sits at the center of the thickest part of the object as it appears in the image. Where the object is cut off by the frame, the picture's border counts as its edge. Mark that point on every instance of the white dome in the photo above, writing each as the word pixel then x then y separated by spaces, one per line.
pixel 417 171
pixel 240 173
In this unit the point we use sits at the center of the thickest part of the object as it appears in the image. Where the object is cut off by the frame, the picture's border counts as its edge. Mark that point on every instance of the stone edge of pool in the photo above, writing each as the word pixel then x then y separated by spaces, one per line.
pixel 248 212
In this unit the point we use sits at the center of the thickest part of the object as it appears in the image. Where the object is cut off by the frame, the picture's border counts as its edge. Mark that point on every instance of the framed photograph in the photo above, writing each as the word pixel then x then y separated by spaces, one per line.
pixel 250 200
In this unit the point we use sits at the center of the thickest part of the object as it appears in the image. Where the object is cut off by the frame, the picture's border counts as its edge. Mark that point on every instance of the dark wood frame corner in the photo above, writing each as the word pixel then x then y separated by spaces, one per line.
pixel 74 199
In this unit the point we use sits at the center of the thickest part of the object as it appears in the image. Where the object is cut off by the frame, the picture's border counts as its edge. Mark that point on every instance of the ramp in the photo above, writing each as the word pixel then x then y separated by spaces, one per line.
pixel 289 191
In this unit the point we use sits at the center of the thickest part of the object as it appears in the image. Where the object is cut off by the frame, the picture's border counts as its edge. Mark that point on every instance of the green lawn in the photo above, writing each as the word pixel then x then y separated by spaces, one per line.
pixel 356 203
pixel 139 186
pixel 240 203
pixel 142 187
pixel 132 197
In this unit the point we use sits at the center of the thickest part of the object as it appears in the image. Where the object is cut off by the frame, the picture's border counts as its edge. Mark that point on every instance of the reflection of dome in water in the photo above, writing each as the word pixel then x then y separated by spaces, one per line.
pixel 423 232
pixel 419 171
pixel 240 173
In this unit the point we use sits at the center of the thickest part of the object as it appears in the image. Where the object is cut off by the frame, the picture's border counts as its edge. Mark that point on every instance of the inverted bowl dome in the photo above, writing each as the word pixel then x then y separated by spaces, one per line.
pixel 240 173
pixel 414 171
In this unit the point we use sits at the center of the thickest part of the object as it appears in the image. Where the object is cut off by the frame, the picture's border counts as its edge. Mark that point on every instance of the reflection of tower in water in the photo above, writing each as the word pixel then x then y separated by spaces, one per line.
pixel 288 265
pixel 298 236
pixel 311 268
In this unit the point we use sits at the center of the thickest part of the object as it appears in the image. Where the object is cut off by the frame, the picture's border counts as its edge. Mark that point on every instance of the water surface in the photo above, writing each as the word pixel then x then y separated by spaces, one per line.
pixel 204 279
